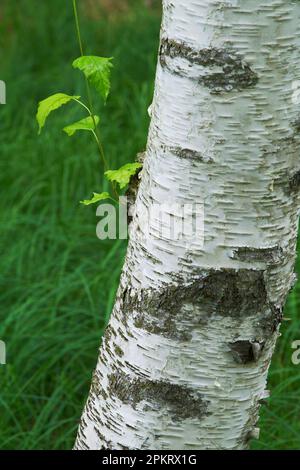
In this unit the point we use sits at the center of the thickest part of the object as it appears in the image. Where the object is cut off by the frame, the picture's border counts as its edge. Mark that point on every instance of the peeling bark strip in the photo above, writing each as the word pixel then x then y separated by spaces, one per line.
pixel 193 329
pixel 235 75
pixel 182 402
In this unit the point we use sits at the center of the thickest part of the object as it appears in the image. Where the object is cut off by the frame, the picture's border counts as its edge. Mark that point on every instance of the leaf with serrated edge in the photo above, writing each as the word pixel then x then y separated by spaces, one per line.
pixel 97 71
pixel 50 104
pixel 97 197
pixel 86 124
pixel 122 175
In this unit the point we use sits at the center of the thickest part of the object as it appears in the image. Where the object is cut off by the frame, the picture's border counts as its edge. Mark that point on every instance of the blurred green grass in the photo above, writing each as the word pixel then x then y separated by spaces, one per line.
pixel 57 280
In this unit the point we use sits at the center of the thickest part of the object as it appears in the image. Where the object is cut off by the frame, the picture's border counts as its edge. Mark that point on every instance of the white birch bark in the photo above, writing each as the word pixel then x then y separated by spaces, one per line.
pixel 185 357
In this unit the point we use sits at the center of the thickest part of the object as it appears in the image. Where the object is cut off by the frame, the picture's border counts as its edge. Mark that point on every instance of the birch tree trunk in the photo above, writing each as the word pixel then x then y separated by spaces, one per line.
pixel 185 357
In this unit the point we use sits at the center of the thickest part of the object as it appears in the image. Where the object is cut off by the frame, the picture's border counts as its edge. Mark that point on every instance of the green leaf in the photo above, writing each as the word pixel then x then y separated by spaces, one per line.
pixel 86 124
pixel 122 175
pixel 97 71
pixel 51 104
pixel 96 198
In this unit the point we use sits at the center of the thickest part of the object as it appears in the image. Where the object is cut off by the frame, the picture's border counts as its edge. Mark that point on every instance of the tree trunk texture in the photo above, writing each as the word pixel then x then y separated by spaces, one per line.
pixel 184 360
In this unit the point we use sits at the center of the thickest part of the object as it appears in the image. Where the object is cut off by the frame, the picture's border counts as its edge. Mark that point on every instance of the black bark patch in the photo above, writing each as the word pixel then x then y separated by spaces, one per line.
pixel 96 387
pixel 181 401
pixel 108 334
pixel 245 351
pixel 296 124
pixel 272 255
pixel 236 74
pixel 132 189
pixel 228 292
pixel 118 350
pixel 294 181
pixel 189 154
pixel 276 317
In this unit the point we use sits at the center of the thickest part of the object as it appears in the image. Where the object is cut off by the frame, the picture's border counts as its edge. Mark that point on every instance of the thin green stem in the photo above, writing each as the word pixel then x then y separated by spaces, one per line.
pixel 84 106
pixel 90 109
pixel 93 131
pixel 99 146
pixel 89 97
pixel 77 27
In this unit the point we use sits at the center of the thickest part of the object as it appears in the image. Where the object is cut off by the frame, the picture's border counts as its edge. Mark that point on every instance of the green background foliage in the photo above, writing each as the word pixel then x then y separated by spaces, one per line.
pixel 57 280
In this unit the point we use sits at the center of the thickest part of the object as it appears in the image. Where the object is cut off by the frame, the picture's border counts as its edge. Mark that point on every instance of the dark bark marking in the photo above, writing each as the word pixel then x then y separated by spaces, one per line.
pixel 236 74
pixel 133 187
pixel 296 124
pixel 245 351
pixel 275 318
pixel 182 401
pixel 228 292
pixel 189 154
pixel 97 388
pixel 272 255
pixel 294 181
pixel 118 350
pixel 108 333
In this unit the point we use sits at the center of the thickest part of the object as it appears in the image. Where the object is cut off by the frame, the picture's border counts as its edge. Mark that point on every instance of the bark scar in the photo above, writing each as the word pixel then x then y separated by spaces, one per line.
pixel 271 255
pixel 181 401
pixel 245 351
pixel 236 74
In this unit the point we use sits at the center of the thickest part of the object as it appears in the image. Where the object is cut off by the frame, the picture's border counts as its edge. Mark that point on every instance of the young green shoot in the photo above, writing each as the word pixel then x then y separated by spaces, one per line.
pixel 97 73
